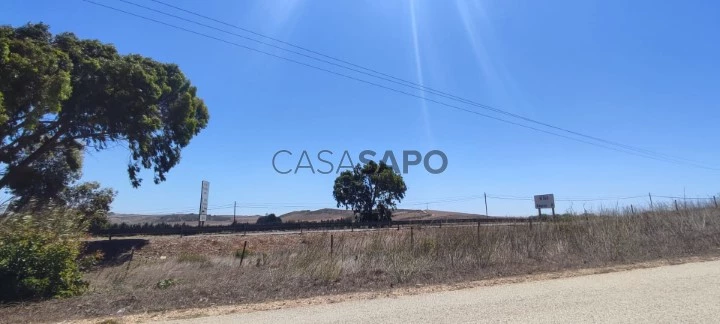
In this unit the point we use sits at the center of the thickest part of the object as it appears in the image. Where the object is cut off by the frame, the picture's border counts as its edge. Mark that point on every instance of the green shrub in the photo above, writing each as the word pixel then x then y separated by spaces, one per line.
pixel 38 256
pixel 35 264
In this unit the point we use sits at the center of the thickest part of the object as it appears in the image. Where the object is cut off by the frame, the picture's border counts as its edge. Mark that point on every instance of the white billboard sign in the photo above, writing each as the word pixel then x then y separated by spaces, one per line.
pixel 545 201
pixel 204 200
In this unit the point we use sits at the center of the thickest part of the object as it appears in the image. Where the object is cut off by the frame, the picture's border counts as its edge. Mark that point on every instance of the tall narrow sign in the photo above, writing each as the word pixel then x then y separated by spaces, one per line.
pixel 204 202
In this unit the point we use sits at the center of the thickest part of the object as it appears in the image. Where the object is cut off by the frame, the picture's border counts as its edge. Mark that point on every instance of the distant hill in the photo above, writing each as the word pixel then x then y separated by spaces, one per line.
pixel 294 216
pixel 316 215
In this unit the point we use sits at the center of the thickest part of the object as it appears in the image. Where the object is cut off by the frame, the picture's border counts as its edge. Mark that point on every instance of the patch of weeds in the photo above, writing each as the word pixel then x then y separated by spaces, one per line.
pixel 427 246
pixel 90 261
pixel 165 283
pixel 239 253
pixel 328 271
pixel 109 321
pixel 192 258
pixel 262 260
pixel 403 266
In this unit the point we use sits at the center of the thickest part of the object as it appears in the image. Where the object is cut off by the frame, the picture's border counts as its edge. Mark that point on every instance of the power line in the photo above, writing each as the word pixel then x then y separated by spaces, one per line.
pixel 273 206
pixel 625 148
pixel 388 77
pixel 522 198
pixel 602 199
pixel 306 204
pixel 158 210
pixel 509 198
pixel 691 198
pixel 445 201
pixel 175 210
pixel 505 197
pixel 193 210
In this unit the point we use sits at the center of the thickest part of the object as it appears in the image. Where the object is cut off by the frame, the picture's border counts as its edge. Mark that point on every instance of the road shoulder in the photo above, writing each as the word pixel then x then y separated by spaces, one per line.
pixel 387 293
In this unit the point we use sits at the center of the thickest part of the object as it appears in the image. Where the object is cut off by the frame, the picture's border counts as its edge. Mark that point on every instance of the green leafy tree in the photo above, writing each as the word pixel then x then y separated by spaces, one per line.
pixel 60 95
pixel 87 200
pixel 91 201
pixel 371 190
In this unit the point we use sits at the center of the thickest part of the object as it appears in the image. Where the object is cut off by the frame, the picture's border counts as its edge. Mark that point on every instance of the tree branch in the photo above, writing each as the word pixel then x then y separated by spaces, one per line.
pixel 44 148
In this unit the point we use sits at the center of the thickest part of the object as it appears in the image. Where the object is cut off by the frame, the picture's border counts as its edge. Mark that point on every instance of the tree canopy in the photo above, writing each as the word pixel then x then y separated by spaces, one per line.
pixel 371 190
pixel 61 95
pixel 269 219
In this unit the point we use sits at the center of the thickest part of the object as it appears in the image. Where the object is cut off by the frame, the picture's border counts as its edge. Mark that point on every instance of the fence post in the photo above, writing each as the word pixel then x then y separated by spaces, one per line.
pixel 715 201
pixel 478 230
pixel 676 206
pixel 651 202
pixel 242 256
pixel 332 243
pixel 632 209
pixel 412 237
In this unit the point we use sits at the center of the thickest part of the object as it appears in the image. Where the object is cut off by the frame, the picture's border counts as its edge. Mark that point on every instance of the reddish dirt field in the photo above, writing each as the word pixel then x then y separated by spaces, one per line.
pixel 155 247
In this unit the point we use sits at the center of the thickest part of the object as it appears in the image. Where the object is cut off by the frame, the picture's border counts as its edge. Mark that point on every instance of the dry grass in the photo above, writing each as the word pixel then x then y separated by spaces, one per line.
pixel 303 266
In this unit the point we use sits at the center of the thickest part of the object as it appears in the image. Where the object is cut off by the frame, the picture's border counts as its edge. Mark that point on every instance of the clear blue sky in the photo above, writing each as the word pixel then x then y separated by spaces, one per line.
pixel 643 73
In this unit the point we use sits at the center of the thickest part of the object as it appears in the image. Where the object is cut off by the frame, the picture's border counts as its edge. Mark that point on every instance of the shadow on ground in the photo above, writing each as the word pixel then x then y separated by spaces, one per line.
pixel 114 251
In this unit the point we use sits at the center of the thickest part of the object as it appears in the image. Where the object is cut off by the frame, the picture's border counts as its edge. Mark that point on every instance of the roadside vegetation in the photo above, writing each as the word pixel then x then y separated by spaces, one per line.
pixel 170 273
pixel 61 96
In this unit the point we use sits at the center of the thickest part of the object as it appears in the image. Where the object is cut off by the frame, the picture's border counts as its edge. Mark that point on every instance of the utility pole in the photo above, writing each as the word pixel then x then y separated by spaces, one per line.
pixel 486 209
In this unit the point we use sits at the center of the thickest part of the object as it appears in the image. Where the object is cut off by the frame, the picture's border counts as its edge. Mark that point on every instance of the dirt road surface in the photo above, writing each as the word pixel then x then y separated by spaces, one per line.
pixel 670 294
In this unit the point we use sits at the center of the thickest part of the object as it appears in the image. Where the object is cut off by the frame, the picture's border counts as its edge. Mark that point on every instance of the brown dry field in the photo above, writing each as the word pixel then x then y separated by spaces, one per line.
pixel 223 245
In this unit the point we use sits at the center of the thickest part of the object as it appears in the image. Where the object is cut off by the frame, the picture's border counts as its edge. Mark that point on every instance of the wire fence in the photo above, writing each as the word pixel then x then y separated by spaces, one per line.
pixel 484 207
pixel 345 224
pixel 672 203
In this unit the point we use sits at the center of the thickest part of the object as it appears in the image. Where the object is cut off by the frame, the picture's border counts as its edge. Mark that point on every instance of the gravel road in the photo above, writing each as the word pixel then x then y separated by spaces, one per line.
pixel 687 293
